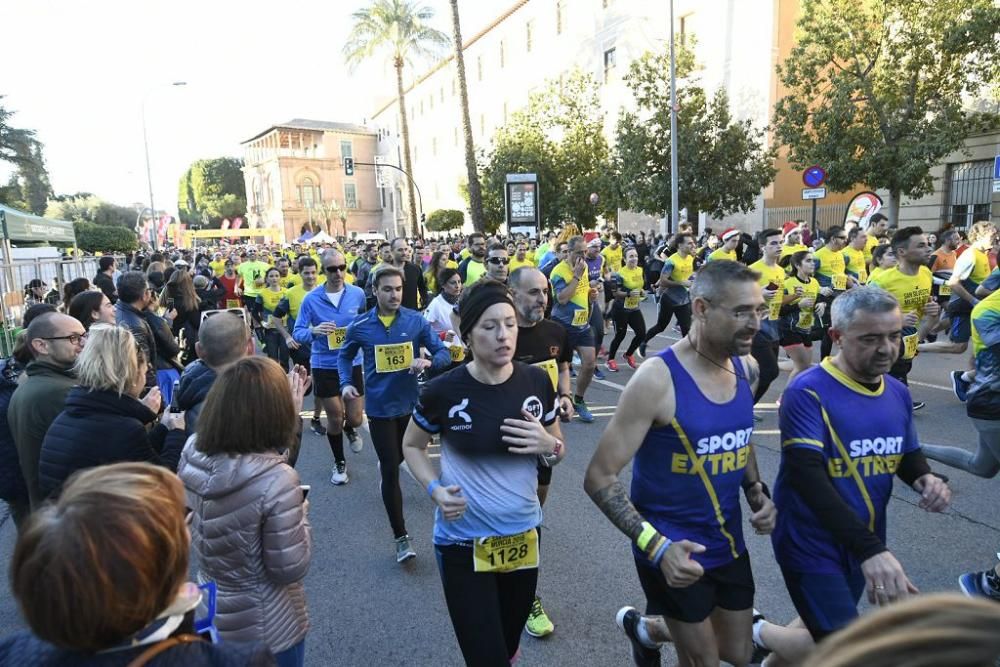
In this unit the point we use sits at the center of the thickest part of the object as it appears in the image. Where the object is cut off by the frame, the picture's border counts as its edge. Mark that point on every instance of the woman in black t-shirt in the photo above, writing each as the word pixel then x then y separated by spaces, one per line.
pixel 496 418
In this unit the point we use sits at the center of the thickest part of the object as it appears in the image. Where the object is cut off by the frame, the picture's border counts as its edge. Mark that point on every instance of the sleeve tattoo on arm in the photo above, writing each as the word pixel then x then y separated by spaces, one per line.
pixel 615 504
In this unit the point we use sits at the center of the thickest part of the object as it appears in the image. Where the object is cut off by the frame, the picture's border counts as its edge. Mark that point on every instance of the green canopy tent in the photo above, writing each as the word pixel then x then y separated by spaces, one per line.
pixel 21 227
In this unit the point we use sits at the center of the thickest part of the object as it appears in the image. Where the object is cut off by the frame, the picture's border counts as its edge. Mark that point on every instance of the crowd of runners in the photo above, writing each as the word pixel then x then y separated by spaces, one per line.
pixel 485 345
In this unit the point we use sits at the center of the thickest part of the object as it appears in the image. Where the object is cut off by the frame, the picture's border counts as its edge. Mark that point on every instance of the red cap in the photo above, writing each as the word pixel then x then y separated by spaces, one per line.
pixel 729 233
pixel 789 227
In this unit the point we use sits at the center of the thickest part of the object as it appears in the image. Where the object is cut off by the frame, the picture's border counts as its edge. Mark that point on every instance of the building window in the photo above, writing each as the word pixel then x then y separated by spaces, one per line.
pixel 479 68
pixel 529 28
pixel 503 60
pixel 346 148
pixel 307 193
pixel 441 97
pixel 453 87
pixel 381 197
pixel 456 137
pixel 482 125
pixel 392 203
pixel 421 107
pixel 559 17
pixel 969 193
pixel 609 63
pixel 430 101
pixel 434 146
pixel 350 195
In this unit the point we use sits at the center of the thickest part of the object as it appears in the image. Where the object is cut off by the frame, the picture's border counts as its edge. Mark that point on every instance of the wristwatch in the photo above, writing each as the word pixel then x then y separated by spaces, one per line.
pixel 550 459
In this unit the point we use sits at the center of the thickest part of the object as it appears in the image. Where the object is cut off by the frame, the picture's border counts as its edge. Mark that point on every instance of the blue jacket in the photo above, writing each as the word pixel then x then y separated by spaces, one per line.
pixel 389 394
pixel 316 309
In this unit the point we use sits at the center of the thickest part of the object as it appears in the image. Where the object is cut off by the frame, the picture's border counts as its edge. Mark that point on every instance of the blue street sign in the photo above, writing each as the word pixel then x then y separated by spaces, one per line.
pixel 814 176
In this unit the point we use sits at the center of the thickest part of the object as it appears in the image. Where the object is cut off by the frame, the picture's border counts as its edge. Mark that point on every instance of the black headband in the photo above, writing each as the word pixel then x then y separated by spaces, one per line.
pixel 477 301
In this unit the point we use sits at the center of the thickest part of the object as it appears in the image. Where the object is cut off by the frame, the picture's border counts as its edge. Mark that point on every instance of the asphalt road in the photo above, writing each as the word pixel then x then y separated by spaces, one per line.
pixel 366 609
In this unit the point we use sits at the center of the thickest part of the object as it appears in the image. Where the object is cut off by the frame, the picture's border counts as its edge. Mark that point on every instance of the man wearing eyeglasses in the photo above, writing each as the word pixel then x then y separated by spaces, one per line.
pixel 414 285
pixel 55 341
pixel 497 263
pixel 322 323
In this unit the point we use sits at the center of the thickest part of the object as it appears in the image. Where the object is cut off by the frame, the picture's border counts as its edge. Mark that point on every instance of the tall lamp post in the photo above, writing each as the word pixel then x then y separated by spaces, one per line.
pixel 149 172
pixel 673 130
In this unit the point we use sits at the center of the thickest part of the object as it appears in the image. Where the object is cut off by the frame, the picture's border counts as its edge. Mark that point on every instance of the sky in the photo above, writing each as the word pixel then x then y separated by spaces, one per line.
pixel 79 74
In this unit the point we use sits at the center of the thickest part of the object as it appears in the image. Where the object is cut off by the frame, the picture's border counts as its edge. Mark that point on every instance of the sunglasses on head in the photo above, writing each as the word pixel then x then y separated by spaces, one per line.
pixel 499 260
pixel 238 312
pixel 335 269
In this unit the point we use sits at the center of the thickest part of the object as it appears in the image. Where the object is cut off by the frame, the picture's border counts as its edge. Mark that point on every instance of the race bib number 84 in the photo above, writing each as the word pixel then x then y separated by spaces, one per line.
pixel 335 341
pixel 393 358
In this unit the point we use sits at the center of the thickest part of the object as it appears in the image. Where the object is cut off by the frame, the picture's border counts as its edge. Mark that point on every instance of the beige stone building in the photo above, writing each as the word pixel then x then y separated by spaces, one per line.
pixel 737 45
pixel 294 175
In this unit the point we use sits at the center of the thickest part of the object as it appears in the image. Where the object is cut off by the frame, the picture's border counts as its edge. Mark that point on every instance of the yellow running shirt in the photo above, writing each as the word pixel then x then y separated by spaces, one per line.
pixel 721 253
pixel 806 316
pixel 613 257
pixel 856 264
pixel 775 276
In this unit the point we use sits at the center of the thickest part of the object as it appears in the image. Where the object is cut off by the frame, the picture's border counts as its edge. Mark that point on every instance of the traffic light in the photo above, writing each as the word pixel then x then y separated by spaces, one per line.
pixel 349 166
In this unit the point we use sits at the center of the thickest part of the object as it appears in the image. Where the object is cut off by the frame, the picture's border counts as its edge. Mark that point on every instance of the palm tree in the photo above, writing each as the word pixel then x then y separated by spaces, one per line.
pixel 475 194
pixel 399 28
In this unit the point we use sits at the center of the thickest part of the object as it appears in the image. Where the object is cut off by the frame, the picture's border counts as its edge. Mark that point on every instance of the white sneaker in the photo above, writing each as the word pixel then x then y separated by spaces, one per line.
pixel 338 475
pixel 354 439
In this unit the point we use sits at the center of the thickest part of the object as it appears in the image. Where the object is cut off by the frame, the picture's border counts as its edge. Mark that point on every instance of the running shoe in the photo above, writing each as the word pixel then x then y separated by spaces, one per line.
pixel 317 426
pixel 338 475
pixel 642 349
pixel 583 412
pixel 974 585
pixel 599 374
pixel 404 551
pixel 959 385
pixel 612 365
pixel 354 438
pixel 628 619
pixel 759 650
pixel 539 624
pixel 918 405
pixel 630 360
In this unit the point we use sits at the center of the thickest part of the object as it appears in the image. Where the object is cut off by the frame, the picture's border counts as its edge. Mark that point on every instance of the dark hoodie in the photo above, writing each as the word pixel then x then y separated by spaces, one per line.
pixel 196 380
pixel 100 427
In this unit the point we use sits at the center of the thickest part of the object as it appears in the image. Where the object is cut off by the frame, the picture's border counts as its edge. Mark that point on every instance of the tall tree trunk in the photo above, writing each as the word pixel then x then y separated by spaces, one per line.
pixel 894 202
pixel 475 194
pixel 407 162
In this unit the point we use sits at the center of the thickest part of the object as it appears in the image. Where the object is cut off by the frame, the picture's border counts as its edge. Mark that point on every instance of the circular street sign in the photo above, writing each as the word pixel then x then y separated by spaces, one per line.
pixel 814 176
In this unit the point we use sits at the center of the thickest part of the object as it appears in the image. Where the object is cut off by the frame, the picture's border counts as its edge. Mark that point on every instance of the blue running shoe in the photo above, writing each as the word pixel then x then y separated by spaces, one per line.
pixel 959 385
pixel 583 412
pixel 973 584
pixel 599 374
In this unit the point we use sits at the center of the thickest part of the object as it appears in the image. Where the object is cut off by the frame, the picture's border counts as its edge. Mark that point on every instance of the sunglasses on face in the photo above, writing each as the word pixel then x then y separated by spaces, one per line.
pixel 335 269
pixel 499 260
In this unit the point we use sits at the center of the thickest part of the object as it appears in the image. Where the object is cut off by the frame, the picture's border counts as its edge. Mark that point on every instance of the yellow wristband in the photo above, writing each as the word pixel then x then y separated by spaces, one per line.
pixel 647 534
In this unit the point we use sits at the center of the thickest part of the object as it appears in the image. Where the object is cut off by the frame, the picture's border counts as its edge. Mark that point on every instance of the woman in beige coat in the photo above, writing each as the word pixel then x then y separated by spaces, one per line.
pixel 249 531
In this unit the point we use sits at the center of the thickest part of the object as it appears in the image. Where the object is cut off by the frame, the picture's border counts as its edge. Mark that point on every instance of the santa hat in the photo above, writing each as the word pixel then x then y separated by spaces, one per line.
pixel 789 227
pixel 730 233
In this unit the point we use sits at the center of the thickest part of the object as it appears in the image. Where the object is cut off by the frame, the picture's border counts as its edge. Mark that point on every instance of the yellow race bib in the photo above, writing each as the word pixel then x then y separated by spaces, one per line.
pixel 233 303
pixel 581 317
pixel 506 553
pixel 805 319
pixel 774 309
pixel 551 367
pixel 945 290
pixel 840 282
pixel 910 345
pixel 335 341
pixel 631 302
pixel 393 358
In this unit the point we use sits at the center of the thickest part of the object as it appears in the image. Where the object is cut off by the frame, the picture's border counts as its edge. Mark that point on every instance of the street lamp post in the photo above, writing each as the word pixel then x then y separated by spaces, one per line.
pixel 673 131
pixel 149 171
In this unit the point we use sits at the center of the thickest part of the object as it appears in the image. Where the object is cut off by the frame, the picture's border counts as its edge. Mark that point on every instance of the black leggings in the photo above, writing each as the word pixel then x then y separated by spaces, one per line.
pixel 488 611
pixel 387 437
pixel 275 347
pixel 623 320
pixel 765 353
pixel 668 311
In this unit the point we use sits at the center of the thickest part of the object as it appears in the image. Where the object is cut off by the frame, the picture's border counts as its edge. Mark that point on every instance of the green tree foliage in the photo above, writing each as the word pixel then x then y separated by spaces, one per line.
pixel 28 188
pixel 84 207
pixel 104 238
pixel 558 136
pixel 445 220
pixel 877 90
pixel 400 30
pixel 722 162
pixel 212 190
